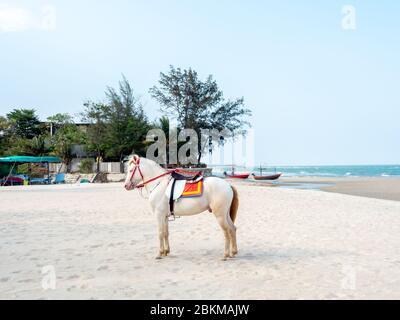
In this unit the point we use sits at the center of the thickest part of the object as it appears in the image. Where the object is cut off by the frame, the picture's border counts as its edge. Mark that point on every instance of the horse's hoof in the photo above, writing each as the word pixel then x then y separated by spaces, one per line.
pixel 158 257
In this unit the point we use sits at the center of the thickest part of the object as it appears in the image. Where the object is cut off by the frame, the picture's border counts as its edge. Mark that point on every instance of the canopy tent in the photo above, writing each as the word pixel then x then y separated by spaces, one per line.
pixel 12 161
pixel 29 159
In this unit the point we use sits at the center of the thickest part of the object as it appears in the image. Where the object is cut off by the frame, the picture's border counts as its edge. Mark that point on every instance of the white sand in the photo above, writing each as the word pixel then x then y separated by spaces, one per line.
pixel 102 241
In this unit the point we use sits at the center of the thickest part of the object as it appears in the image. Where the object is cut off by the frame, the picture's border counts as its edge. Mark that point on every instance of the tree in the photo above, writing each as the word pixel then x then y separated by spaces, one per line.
pixel 17 146
pixel 40 145
pixel 94 115
pixel 163 124
pixel 21 134
pixel 198 104
pixel 24 123
pixel 66 135
pixel 60 119
pixel 4 134
pixel 4 126
pixel 128 124
pixel 120 123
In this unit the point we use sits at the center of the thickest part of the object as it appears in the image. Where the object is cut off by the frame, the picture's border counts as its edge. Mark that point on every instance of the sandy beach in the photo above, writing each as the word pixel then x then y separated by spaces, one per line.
pixel 101 243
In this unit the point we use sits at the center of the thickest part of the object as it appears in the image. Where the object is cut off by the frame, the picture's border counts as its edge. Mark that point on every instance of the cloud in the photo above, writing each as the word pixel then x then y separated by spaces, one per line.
pixel 14 19
pixel 18 19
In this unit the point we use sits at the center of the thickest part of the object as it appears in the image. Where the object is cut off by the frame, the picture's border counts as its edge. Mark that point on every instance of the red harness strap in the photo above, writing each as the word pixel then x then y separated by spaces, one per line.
pixel 141 185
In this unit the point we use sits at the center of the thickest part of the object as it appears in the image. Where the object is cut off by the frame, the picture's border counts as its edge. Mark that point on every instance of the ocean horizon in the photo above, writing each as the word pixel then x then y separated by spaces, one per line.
pixel 320 171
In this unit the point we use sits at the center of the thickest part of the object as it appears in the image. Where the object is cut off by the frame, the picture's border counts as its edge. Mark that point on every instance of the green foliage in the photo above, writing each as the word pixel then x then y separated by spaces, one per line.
pixel 17 146
pixel 24 123
pixel 4 134
pixel 120 125
pixel 60 119
pixel 94 115
pixel 198 104
pixel 4 125
pixel 163 124
pixel 66 135
pixel 22 134
pixel 127 123
pixel 40 145
pixel 86 166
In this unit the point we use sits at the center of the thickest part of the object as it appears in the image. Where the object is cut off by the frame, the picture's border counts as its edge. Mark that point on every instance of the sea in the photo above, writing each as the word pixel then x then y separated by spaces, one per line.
pixel 322 171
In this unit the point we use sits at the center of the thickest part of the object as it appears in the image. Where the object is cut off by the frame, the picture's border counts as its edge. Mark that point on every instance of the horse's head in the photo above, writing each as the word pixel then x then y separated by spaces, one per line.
pixel 134 175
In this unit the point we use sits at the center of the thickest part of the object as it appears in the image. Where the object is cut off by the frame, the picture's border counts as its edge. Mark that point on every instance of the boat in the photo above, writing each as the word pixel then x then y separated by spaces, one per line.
pixel 234 175
pixel 275 176
pixel 237 176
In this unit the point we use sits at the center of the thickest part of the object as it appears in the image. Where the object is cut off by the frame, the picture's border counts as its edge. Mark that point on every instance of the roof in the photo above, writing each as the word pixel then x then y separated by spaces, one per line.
pixel 29 159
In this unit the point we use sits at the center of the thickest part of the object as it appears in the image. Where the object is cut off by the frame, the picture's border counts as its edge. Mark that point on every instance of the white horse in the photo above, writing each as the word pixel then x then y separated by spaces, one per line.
pixel 218 197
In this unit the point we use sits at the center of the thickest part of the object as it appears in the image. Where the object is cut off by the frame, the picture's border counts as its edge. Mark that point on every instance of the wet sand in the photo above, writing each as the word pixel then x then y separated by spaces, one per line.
pixel 387 188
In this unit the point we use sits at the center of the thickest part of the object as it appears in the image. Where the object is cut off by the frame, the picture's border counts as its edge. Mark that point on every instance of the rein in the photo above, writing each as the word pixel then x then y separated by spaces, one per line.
pixel 141 185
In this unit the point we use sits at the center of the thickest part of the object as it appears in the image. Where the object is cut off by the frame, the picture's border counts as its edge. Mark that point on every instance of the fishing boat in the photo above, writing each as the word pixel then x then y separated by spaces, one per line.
pixel 275 176
pixel 234 175
pixel 237 176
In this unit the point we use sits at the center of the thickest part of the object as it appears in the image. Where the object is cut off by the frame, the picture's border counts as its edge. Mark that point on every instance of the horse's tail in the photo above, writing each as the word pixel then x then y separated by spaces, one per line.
pixel 234 205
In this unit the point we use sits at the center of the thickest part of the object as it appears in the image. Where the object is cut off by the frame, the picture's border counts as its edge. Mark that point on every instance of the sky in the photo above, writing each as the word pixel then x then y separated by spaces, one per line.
pixel 322 79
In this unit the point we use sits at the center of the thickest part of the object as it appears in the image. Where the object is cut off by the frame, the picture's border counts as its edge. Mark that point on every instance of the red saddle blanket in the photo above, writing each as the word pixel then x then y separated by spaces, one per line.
pixel 194 189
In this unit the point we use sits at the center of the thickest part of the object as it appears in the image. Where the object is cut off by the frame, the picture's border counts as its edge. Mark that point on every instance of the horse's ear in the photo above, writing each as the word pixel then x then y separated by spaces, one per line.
pixel 133 159
pixel 136 159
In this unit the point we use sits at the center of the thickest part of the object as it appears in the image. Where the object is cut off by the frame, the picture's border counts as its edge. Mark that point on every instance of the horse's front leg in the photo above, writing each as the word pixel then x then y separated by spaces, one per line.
pixel 163 234
pixel 166 237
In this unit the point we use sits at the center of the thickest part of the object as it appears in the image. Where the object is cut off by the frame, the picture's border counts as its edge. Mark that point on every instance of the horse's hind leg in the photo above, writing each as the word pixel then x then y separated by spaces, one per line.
pixel 225 228
pixel 232 232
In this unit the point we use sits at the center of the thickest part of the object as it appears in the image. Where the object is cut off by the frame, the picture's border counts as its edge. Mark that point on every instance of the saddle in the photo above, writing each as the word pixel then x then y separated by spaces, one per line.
pixel 187 176
pixel 183 185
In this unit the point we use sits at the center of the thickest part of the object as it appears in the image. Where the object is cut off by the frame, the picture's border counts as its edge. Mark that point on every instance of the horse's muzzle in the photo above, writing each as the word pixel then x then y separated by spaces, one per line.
pixel 129 187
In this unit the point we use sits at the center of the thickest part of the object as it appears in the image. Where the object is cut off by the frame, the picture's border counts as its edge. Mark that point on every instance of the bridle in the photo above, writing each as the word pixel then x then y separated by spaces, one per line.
pixel 143 183
pixel 136 162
